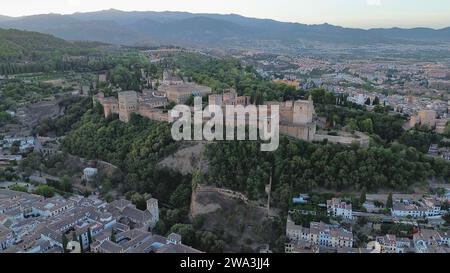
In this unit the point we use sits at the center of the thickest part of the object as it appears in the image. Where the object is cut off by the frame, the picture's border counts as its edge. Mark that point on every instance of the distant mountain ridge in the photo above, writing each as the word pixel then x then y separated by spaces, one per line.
pixel 4 18
pixel 183 28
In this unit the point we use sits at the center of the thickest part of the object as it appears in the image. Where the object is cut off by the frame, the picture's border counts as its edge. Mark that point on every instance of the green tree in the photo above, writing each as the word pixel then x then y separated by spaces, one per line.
pixel 362 221
pixel 64 242
pixel 89 236
pixel 181 196
pixel 376 101
pixel 81 243
pixel 363 197
pixel 44 190
pixel 17 187
pixel 108 198
pixel 160 227
pixel 139 201
pixel 66 185
pixel 113 236
pixel 186 231
pixel 209 242
pixel 446 218
pixel 198 222
pixel 367 126
pixel 190 100
pixel 389 202
pixel 351 124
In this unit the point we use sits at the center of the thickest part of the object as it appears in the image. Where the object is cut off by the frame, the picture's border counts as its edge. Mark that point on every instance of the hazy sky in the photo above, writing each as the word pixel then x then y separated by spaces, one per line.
pixel 354 13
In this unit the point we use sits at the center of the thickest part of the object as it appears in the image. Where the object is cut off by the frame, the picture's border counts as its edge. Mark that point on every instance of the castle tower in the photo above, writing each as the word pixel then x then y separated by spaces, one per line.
pixel 428 118
pixel 413 121
pixel 107 110
pixel 303 112
pixel 128 103
pixel 230 97
pixel 152 207
pixel 215 100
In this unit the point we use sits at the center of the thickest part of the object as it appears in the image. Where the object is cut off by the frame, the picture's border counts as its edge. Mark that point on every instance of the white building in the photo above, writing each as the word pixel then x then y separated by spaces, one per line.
pixel 51 207
pixel 336 208
pixel 388 243
pixel 320 234
pixel 428 241
pixel 401 210
pixel 25 143
pixel 6 237
pixel 89 174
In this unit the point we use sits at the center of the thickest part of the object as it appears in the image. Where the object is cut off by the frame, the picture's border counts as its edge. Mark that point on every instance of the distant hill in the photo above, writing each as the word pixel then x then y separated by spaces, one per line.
pixel 182 28
pixel 192 31
pixel 414 33
pixel 4 18
pixel 16 45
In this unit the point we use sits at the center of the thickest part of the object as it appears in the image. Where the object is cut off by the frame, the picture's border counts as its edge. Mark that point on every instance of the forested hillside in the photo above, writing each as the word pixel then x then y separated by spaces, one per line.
pixel 135 148
pixel 299 166
pixel 16 45
pixel 24 51
pixel 220 74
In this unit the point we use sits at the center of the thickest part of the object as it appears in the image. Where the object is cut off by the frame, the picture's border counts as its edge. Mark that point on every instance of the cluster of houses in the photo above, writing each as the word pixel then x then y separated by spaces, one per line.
pixel 339 208
pixel 424 208
pixel 318 236
pixel 23 143
pixel 429 207
pixel 34 224
pixel 44 145
pixel 336 237
pixel 8 155
pixel 442 152
pixel 423 241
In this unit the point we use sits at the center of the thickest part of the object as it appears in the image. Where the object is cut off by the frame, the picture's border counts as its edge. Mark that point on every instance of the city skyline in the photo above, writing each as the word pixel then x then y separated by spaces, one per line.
pixel 354 13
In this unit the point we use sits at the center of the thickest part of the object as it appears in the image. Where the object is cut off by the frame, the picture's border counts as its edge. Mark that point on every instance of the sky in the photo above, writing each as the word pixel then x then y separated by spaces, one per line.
pixel 348 13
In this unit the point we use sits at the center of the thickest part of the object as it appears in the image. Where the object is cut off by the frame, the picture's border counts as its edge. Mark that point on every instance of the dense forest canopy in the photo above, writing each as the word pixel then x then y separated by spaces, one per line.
pixel 29 52
pixel 299 166
pixel 14 93
pixel 135 148
pixel 20 46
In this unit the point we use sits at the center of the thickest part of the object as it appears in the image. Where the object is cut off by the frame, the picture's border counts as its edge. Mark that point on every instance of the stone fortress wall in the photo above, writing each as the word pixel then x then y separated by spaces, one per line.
pixel 296 118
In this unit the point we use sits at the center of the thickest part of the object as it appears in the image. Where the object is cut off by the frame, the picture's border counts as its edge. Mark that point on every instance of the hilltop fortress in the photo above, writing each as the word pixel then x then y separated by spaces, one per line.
pixel 296 118
pixel 145 104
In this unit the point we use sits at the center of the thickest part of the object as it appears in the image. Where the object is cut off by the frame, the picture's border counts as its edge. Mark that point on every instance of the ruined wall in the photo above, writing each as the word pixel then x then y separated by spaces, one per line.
pixel 306 132
pixel 154 114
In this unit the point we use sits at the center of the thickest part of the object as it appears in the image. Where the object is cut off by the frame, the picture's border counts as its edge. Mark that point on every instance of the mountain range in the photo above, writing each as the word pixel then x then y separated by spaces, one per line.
pixel 189 29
